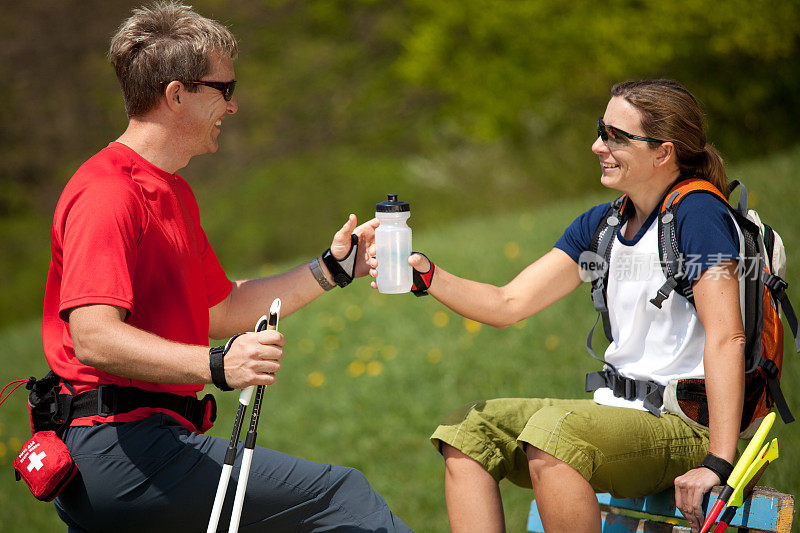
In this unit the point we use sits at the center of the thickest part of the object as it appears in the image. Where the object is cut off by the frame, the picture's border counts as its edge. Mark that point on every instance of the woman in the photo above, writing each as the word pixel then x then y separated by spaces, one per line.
pixel 651 135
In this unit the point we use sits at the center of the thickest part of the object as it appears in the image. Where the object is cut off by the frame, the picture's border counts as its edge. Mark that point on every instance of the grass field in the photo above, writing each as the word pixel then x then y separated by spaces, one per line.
pixel 366 377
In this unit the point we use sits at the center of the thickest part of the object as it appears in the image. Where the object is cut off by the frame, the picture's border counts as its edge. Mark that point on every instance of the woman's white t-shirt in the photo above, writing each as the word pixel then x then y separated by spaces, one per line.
pixel 651 343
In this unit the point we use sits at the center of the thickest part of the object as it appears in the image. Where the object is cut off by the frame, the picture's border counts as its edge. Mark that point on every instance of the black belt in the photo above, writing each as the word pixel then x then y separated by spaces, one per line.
pixel 108 400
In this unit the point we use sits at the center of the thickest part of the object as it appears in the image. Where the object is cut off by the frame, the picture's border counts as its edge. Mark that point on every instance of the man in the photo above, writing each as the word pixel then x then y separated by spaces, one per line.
pixel 135 289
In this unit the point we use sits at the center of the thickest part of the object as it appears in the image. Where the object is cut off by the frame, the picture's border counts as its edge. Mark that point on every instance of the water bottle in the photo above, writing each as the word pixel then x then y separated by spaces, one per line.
pixel 393 246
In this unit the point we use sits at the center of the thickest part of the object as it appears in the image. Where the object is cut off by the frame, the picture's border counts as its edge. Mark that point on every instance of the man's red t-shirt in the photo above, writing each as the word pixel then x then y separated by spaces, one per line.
pixel 126 233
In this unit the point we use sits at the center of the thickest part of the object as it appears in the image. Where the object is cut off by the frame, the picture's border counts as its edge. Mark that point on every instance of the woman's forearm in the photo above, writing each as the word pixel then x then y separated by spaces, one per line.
pixel 541 284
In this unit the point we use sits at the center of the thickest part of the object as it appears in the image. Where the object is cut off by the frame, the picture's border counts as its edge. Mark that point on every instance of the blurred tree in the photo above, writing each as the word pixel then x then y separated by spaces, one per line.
pixel 518 70
pixel 60 103
pixel 60 97
pixel 343 100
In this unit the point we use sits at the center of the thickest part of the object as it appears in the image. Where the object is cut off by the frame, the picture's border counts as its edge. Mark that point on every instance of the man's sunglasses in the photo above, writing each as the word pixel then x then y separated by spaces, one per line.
pixel 613 136
pixel 225 87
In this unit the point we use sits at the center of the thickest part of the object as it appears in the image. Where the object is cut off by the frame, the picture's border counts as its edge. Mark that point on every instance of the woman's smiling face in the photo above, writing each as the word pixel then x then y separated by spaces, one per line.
pixel 624 168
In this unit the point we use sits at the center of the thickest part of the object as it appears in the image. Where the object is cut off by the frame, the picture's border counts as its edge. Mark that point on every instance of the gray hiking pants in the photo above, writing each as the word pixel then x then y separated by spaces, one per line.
pixel 155 475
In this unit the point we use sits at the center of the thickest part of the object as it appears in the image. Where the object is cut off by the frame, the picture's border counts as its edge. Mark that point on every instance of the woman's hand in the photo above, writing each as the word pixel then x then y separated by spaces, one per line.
pixel 689 491
pixel 417 261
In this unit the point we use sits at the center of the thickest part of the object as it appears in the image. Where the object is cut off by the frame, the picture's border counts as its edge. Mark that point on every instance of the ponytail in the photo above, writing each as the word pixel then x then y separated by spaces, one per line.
pixel 669 112
pixel 712 169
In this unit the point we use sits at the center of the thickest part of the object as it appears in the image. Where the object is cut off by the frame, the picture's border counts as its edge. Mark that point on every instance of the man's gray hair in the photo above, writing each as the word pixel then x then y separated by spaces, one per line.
pixel 163 42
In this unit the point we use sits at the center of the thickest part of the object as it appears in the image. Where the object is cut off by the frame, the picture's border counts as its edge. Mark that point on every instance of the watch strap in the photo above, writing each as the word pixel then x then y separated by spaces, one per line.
pixel 216 356
pixel 718 465
pixel 316 271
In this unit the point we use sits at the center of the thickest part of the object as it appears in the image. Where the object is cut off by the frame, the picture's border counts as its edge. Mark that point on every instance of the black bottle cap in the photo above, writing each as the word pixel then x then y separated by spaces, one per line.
pixel 392 205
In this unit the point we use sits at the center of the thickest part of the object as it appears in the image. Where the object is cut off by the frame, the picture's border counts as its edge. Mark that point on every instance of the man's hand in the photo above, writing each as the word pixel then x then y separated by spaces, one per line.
pixel 689 491
pixel 366 243
pixel 254 358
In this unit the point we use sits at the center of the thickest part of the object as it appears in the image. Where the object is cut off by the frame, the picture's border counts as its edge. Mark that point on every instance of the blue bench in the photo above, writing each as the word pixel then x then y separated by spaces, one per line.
pixel 765 510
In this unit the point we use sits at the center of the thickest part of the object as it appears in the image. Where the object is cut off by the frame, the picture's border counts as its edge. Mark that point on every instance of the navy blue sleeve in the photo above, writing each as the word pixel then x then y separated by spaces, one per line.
pixel 707 234
pixel 577 238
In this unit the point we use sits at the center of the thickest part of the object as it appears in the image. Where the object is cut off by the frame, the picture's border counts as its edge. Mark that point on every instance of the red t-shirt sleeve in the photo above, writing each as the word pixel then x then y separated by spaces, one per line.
pixel 218 286
pixel 100 230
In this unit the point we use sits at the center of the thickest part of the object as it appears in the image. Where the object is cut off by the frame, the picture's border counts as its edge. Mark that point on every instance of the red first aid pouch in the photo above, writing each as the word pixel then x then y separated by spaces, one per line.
pixel 45 464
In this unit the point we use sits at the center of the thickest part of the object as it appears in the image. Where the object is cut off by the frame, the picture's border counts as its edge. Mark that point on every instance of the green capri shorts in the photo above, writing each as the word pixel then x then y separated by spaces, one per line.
pixel 623 451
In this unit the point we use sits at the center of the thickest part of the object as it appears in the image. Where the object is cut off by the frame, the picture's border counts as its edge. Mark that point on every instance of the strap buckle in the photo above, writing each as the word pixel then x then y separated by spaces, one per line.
pixel 775 283
pixel 665 290
pixel 659 298
pixel 599 300
pixel 769 367
pixel 107 400
pixel 624 387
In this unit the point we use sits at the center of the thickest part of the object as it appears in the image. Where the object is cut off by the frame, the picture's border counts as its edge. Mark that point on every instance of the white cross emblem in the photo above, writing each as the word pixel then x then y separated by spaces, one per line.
pixel 36 461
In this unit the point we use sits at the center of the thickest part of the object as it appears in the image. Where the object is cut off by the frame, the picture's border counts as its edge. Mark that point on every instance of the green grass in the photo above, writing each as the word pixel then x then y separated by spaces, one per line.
pixel 366 377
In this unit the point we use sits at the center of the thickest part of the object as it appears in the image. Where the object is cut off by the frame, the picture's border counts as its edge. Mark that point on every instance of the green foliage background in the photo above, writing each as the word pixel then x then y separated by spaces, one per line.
pixel 472 110
pixel 342 101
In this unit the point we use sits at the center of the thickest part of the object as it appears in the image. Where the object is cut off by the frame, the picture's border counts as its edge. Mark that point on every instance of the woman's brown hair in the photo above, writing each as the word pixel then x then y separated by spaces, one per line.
pixel 670 113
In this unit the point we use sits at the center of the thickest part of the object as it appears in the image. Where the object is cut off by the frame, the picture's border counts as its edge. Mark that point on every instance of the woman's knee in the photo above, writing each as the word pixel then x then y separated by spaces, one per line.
pixel 539 461
pixel 451 453
pixel 461 467
pixel 456 460
pixel 541 464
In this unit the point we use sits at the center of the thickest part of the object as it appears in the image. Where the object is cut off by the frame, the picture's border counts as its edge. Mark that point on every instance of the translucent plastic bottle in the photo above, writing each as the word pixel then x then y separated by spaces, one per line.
pixel 393 246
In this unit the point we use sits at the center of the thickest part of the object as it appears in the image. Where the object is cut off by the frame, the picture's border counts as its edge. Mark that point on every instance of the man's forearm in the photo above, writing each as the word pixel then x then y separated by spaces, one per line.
pixel 101 340
pixel 249 299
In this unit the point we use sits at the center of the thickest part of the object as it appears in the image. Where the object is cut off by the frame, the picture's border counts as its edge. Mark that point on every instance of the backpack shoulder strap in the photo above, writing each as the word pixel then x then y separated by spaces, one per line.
pixel 670 258
pixel 682 188
pixel 602 242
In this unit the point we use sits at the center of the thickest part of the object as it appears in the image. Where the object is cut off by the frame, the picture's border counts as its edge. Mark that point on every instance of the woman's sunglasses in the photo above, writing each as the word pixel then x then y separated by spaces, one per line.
pixel 614 136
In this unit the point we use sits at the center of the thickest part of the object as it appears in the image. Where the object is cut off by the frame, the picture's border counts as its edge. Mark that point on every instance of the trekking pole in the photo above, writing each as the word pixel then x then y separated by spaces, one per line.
pixel 230 454
pixel 767 455
pixel 250 439
pixel 739 470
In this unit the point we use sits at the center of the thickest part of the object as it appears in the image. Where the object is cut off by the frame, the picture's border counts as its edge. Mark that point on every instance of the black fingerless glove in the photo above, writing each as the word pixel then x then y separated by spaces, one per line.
pixel 343 270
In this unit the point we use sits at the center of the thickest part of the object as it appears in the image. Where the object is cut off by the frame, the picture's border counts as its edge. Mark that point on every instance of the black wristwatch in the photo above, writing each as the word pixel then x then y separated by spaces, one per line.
pixel 718 465
pixel 216 360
